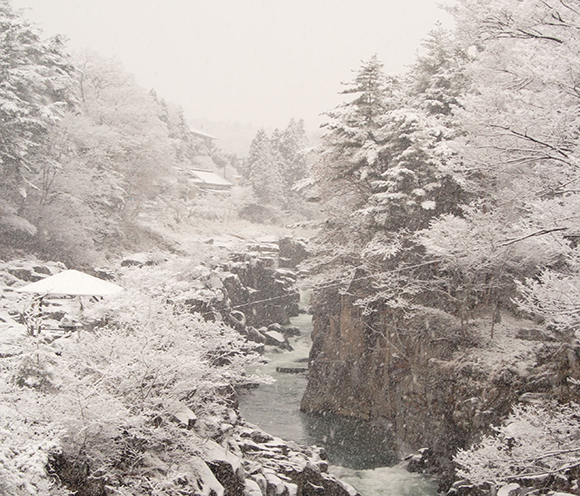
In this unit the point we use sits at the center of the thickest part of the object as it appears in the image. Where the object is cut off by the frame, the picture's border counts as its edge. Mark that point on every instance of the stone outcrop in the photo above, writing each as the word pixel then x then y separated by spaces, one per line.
pixel 252 294
pixel 284 468
pixel 259 288
pixel 17 272
pixel 431 383
pixel 292 252
pixel 235 459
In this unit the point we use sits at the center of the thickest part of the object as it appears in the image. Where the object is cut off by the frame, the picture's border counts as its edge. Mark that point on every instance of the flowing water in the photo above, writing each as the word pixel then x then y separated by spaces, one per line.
pixel 356 453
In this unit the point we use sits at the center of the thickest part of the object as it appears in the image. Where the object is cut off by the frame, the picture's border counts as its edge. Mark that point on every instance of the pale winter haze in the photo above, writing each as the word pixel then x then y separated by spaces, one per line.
pixel 249 61
pixel 395 304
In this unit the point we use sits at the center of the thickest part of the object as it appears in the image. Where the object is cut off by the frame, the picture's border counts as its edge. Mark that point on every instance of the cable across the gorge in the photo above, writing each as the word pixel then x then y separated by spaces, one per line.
pixel 327 286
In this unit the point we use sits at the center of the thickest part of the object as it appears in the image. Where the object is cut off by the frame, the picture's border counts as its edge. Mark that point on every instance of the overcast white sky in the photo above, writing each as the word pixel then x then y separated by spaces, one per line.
pixel 259 62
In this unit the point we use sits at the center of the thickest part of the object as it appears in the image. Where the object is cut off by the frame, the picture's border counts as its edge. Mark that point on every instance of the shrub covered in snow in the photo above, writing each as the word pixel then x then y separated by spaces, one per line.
pixel 113 398
pixel 535 441
pixel 24 450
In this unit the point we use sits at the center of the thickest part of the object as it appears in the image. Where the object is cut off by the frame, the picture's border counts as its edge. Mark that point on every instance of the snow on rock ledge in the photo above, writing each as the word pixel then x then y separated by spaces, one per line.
pixel 251 462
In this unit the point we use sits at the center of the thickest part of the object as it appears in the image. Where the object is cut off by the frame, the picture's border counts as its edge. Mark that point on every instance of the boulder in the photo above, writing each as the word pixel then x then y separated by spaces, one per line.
pixel 286 331
pixel 226 467
pixel 274 338
pixel 292 252
pixel 254 335
pixel 142 259
pixel 184 416
pixel 23 274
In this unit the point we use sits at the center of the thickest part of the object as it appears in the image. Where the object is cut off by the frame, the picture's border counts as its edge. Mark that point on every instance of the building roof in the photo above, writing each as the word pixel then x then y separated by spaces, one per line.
pixel 74 283
pixel 209 179
pixel 197 132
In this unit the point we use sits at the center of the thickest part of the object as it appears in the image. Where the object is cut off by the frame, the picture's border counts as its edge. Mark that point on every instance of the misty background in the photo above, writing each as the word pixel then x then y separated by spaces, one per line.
pixel 236 66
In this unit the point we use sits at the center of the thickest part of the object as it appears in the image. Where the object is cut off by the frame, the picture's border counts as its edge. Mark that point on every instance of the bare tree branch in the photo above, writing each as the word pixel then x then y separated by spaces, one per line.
pixel 537 233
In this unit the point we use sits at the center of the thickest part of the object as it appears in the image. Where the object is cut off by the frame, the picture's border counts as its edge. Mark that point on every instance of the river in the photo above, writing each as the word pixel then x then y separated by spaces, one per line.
pixel 355 454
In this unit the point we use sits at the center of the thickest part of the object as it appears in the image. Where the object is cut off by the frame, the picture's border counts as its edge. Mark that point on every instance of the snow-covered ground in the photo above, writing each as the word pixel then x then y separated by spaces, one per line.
pixel 507 349
pixel 10 333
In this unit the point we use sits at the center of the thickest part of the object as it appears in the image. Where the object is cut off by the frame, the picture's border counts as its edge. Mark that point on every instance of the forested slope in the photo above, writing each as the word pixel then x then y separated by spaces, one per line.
pixel 86 153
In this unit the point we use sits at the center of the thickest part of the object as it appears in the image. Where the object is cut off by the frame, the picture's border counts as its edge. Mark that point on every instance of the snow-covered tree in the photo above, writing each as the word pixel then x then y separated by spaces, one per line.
pixel 439 79
pixel 262 170
pixel 291 144
pixel 384 173
pixel 108 399
pixel 518 152
pixel 555 295
pixel 535 440
pixel 521 118
pixel 134 141
pixel 35 88
pixel 276 163
pixel 349 160
pixel 388 147
pixel 102 161
pixel 414 184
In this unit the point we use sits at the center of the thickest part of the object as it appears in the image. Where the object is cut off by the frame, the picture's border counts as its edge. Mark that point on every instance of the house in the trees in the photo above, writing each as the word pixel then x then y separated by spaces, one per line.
pixel 206 180
pixel 207 138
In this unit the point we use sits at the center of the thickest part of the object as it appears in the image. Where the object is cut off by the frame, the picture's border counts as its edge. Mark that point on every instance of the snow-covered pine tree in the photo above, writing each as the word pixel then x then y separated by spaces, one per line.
pixel 291 143
pixel 349 158
pixel 262 170
pixel 396 173
pixel 414 153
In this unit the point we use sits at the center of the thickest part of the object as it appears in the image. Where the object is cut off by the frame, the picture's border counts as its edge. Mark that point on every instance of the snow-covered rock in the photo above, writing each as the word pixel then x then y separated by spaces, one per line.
pixel 507 489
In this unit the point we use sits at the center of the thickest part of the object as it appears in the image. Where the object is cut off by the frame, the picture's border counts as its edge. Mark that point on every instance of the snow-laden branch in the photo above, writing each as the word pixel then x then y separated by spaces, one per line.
pixel 542 232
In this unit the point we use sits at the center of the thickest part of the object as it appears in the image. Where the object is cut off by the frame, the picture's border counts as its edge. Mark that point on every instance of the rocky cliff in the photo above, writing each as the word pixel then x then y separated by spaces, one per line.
pixel 431 383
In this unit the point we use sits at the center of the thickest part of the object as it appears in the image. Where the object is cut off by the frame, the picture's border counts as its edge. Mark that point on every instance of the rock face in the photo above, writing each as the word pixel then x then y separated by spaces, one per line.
pixel 432 384
pixel 252 294
pixel 262 291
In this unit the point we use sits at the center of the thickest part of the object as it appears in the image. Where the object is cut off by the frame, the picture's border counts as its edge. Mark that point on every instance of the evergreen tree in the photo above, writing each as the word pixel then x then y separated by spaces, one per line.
pixel 276 163
pixel 438 79
pixel 262 171
pixel 415 185
pixel 389 149
pixel 349 159
pixel 290 145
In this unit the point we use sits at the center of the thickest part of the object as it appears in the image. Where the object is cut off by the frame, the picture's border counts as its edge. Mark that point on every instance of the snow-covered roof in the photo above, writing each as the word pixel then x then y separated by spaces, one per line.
pixel 74 283
pixel 209 178
pixel 197 132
